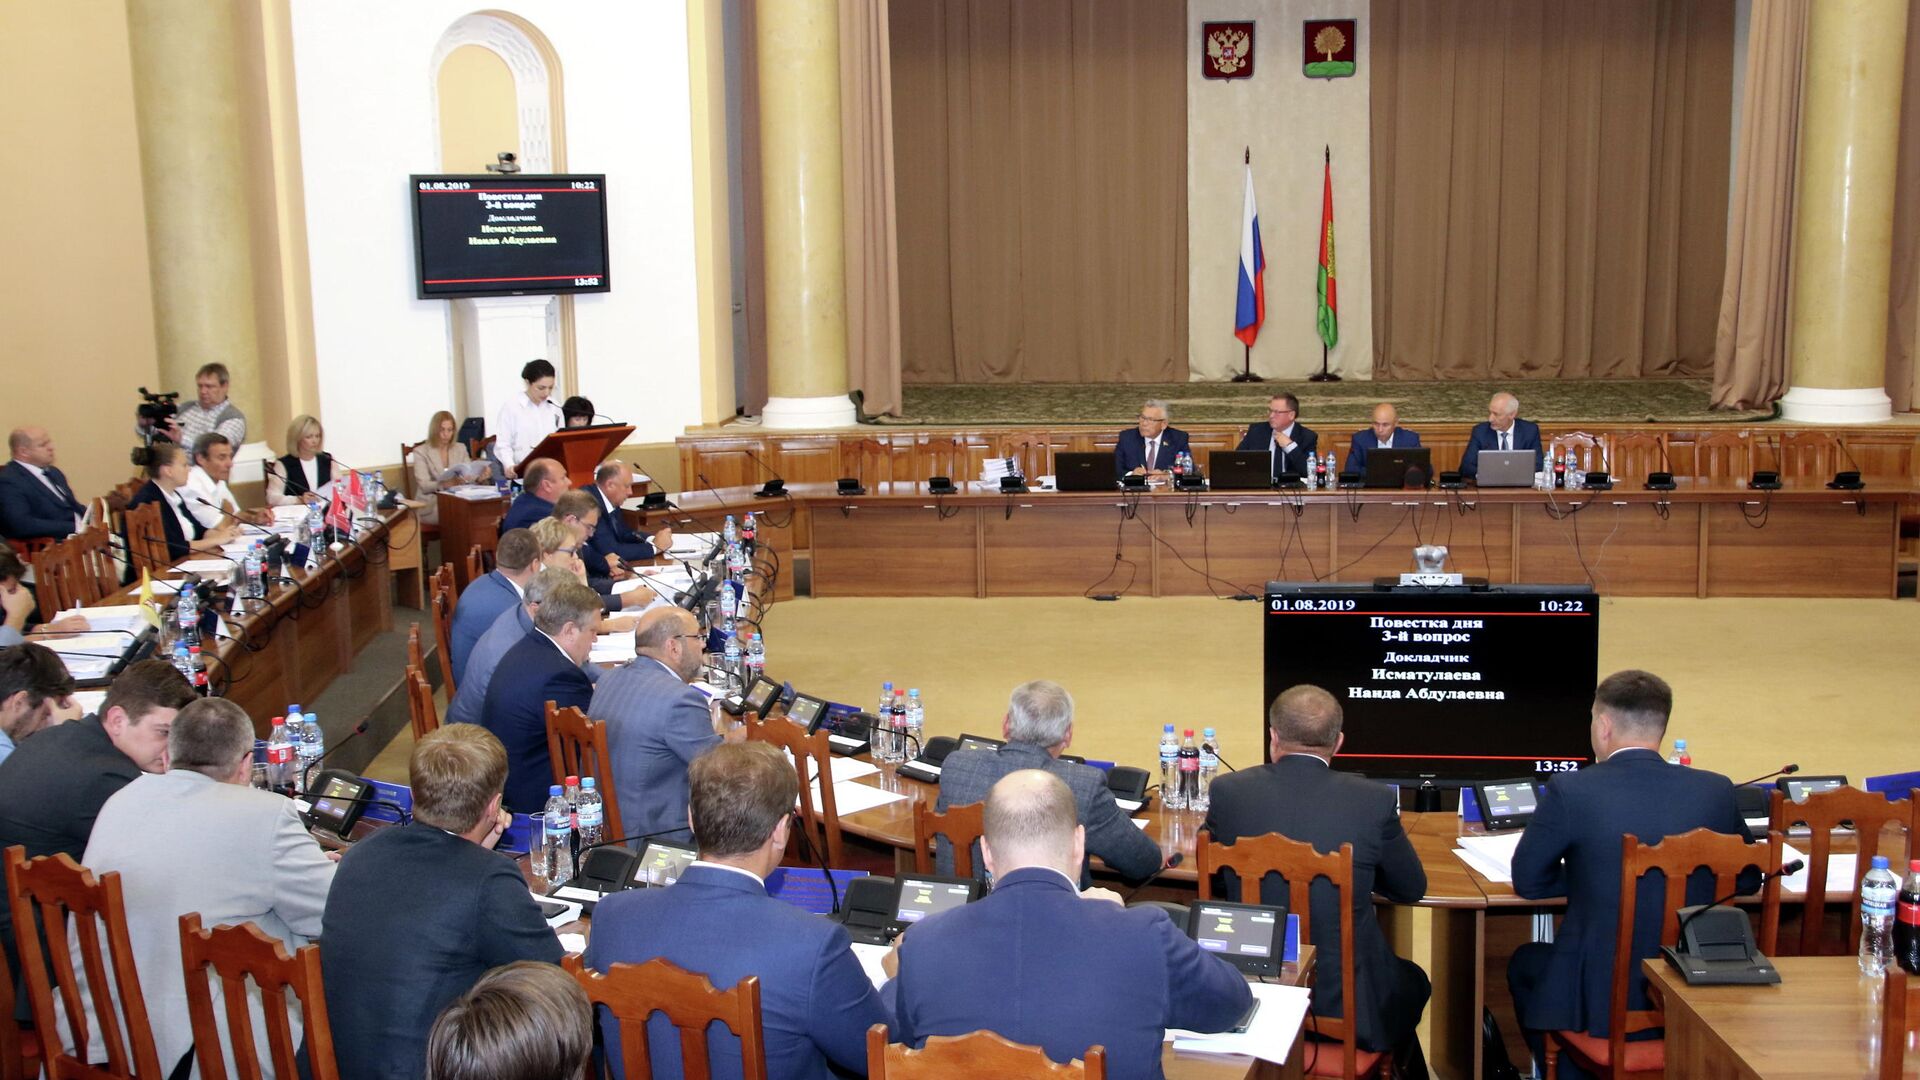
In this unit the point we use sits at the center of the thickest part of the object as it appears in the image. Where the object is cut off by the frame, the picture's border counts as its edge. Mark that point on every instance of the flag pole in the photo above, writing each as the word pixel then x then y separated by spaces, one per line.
pixel 1246 374
pixel 1325 375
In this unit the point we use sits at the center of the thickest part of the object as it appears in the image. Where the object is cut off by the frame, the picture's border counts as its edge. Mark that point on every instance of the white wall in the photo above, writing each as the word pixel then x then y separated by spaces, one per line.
pixel 367 121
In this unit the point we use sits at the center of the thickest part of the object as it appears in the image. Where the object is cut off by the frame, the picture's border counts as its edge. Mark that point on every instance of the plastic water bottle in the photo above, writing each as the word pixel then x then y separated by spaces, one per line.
pixel 316 524
pixel 1878 892
pixel 554 849
pixel 1170 769
pixel 280 756
pixel 1209 768
pixel 182 661
pixel 749 534
pixel 916 727
pixel 756 657
pixel 886 703
pixel 1332 474
pixel 592 813
pixel 1189 772
pixel 296 725
pixel 313 743
pixel 897 727
pixel 736 561
pixel 730 651
pixel 1679 756
pixel 253 571
pixel 1313 472
pixel 186 615
pixel 729 531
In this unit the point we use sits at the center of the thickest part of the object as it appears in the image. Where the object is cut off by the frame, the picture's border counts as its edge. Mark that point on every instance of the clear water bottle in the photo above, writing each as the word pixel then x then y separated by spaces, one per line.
pixel 1189 772
pixel 1170 769
pixel 1332 475
pixel 316 524
pixel 1313 472
pixel 1878 891
pixel 897 727
pixel 280 756
pixel 916 726
pixel 186 615
pixel 736 561
pixel 313 744
pixel 1679 756
pixel 182 660
pixel 886 703
pixel 729 531
pixel 730 651
pixel 254 572
pixel 1209 768
pixel 592 813
pixel 756 657
pixel 296 726
pixel 558 828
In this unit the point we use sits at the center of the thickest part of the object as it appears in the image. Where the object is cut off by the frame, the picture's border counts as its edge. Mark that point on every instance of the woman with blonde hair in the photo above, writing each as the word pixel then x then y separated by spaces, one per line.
pixel 441 461
pixel 300 473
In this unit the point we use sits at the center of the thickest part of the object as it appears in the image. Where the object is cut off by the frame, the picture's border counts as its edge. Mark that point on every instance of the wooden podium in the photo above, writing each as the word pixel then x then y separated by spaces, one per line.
pixel 579 450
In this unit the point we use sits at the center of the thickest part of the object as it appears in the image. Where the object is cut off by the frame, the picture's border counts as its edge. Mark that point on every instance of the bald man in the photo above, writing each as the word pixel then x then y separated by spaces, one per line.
pixel 1039 964
pixel 1385 433
pixel 1503 430
pixel 658 723
pixel 541 484
pixel 35 500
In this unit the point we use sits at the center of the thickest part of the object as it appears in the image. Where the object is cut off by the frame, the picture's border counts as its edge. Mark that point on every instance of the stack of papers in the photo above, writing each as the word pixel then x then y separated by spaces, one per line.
pixel 472 492
pixel 1276 1024
pixel 612 649
pixel 126 617
pixel 692 545
pixel 1843 872
pixel 205 567
pixel 1490 855
pixel 88 656
pixel 992 469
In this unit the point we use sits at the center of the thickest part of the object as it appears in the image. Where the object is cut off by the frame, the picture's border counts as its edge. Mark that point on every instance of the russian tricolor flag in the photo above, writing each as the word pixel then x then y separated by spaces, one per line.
pixel 1250 303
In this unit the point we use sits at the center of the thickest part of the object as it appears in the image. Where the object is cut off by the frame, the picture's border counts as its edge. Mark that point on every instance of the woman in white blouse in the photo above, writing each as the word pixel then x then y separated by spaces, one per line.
pixel 304 469
pixel 527 417
pixel 432 459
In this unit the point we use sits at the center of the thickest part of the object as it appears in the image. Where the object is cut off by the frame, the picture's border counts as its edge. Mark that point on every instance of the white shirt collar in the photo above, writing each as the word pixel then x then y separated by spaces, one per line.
pixel 1625 749
pixel 724 866
pixel 517 590
pixel 38 472
pixel 1328 762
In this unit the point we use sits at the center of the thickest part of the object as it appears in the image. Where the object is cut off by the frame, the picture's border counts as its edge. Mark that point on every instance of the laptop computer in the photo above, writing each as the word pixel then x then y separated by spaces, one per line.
pixel 1388 468
pixel 1076 471
pixel 1505 468
pixel 1240 470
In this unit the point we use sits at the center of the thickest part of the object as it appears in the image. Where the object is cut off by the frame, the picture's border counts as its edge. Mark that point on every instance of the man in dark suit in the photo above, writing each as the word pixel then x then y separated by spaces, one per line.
pixel 1502 430
pixel 1291 444
pixel 1151 447
pixel 1038 729
pixel 544 667
pixel 468 705
pixel 542 483
pixel 1571 848
pixel 515 561
pixel 612 487
pixel 1385 433
pixel 35 499
pixel 1039 964
pixel 815 1002
pixel 1301 797
pixel 419 912
pixel 657 724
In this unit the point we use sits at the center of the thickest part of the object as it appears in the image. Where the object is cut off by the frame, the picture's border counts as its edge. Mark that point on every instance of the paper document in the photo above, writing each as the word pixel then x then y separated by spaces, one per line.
pixel 1490 855
pixel 109 617
pixel 204 566
pixel 472 492
pixel 853 798
pixel 869 957
pixel 1843 872
pixel 1275 1027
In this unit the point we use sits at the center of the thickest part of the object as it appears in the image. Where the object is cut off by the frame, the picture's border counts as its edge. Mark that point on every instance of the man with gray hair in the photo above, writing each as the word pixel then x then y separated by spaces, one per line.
pixel 1502 430
pixel 513 624
pixel 199 838
pixel 1036 963
pixel 1038 729
pixel 1149 447
pixel 544 666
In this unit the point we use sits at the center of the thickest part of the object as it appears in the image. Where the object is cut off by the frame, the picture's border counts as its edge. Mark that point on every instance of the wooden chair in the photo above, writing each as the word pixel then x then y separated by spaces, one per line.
pixel 420 708
pixel 812 759
pixel 1588 450
pixel 476 564
pixel 416 656
pixel 56 578
pixel 1822 813
pixel 427 532
pixel 443 603
pixel 868 459
pixel 1678 857
pixel 1632 455
pixel 1809 453
pixel 1252 858
pixel 67 893
pixel 1033 450
pixel 1899 1018
pixel 634 992
pixel 940 456
pixel 981 1053
pixel 1723 455
pixel 235 955
pixel 19 1049
pixel 578 747
pixel 146 539
pixel 961 825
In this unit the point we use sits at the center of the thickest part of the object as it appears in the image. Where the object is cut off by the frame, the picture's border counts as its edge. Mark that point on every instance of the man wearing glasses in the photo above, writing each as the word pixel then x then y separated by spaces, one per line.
pixel 1150 448
pixel 657 723
pixel 1292 444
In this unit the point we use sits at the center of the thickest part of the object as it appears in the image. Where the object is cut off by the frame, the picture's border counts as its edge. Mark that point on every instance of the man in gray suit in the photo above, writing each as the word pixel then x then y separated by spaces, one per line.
pixel 506 632
pixel 199 838
pixel 1038 729
pixel 659 724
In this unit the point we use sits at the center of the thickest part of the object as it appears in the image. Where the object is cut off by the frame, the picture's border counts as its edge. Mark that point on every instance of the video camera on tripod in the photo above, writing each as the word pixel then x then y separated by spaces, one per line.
pixel 154 421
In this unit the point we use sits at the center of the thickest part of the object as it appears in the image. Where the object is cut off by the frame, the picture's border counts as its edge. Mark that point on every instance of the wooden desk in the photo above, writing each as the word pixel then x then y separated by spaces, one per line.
pixel 406 556
pixel 464 523
pixel 1822 1020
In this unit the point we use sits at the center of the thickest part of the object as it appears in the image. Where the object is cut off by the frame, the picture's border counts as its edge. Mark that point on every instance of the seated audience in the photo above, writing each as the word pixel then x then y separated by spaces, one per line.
pixel 545 666
pixel 1039 964
pixel 515 560
pixel 418 912
pixel 577 411
pixel 210 410
pixel 543 482
pixel 17 603
pixel 35 692
pixel 1300 796
pixel 200 838
pixel 1502 430
pixel 206 488
pixel 657 724
pixel 442 460
pixel 36 502
pixel 1385 433
pixel 815 1001
pixel 304 470
pixel 1038 729
pixel 1292 444
pixel 1571 848
pixel 166 480
pixel 580 512
pixel 523 1021
pixel 1151 447
pixel 560 548
pixel 612 487
pixel 513 624
pixel 526 418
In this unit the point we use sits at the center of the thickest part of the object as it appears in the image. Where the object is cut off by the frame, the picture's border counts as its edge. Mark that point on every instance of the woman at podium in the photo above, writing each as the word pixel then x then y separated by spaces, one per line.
pixel 527 417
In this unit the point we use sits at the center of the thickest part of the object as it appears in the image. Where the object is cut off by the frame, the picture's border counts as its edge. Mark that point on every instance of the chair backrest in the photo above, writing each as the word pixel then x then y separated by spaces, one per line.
pixel 99 576
pixel 56 578
pixel 416 656
pixel 443 601
pixel 239 954
pixel 812 760
pixel 961 825
pixel 632 993
pixel 65 893
pixel 147 539
pixel 981 1053
pixel 1723 455
pixel 406 466
pixel 1678 857
pixel 578 747
pixel 476 564
pixel 1252 858
pixel 868 459
pixel 13 1065
pixel 1867 813
pixel 943 456
pixel 1033 450
pixel 1899 1019
pixel 1809 453
pixel 1586 448
pixel 420 707
pixel 1632 455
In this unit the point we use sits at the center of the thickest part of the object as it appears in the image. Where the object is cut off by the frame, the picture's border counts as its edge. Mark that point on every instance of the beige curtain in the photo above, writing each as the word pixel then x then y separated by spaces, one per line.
pixel 1040 158
pixel 1750 352
pixel 1903 306
pixel 872 255
pixel 1549 186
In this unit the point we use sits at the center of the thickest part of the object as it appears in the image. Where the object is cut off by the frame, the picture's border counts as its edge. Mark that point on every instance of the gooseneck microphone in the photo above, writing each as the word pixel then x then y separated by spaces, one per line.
pixel 1787 869
pixel 306 771
pixel 1173 860
pixel 1784 770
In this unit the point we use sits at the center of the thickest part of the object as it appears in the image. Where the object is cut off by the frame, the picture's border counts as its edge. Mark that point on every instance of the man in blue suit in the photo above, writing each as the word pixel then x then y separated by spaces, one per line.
pixel 612 487
pixel 1291 444
pixel 543 667
pixel 657 724
pixel 1503 430
pixel 1572 849
pixel 542 483
pixel 515 560
pixel 1152 446
pixel 469 704
pixel 1385 433
pixel 1038 963
pixel 816 1004
pixel 35 500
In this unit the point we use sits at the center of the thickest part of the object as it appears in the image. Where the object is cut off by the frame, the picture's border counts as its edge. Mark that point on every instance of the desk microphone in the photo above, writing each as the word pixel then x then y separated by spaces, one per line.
pixel 306 771
pixel 1786 870
pixel 771 488
pixel 1784 770
pixel 1215 750
pixel 1173 860
pixel 1844 480
pixel 578 852
pixel 1662 480
pixel 275 545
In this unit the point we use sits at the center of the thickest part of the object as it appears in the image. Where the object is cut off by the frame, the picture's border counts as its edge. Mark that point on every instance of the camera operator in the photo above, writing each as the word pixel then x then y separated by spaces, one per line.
pixel 154 418
pixel 35 500
pixel 212 411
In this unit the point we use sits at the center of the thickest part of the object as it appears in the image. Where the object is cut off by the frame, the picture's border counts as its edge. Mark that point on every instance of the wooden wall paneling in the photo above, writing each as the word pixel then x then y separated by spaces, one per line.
pixel 1478 535
pixel 882 550
pixel 1058 550
pixel 802 459
pixel 1819 548
pixel 1624 549
pixel 1808 453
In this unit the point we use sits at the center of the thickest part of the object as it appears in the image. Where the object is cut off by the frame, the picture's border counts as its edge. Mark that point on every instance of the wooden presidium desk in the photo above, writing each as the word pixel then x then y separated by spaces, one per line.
pixel 1822 1020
